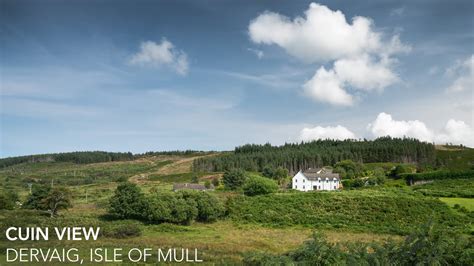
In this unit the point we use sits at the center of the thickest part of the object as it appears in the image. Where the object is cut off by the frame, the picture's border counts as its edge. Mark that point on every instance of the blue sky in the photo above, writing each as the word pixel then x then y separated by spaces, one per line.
pixel 210 75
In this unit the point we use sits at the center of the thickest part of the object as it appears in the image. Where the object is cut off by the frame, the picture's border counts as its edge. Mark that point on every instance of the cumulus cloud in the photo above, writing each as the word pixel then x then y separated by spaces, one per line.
pixel 161 54
pixel 457 132
pixel 321 35
pixel 327 87
pixel 385 125
pixel 318 132
pixel 361 55
pixel 463 72
pixel 364 73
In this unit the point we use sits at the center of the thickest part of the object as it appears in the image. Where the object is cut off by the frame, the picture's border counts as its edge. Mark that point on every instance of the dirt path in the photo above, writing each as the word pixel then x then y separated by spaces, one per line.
pixel 180 165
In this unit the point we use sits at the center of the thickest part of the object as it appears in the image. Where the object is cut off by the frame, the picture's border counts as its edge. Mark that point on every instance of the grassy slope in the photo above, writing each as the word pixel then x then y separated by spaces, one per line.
pixel 457 159
pixel 360 210
pixel 464 202
pixel 463 188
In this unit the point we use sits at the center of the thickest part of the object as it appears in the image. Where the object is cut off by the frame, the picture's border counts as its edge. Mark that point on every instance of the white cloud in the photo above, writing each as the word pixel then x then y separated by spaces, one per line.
pixel 321 35
pixel 456 132
pixel 258 53
pixel 318 132
pixel 384 125
pixel 365 74
pixel 161 54
pixel 327 87
pixel 361 55
pixel 464 75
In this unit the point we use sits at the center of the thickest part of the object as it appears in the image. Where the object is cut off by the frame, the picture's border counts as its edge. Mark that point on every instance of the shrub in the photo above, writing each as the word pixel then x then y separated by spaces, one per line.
pixel 215 181
pixel 399 170
pixel 34 200
pixel 8 200
pixel 234 179
pixel 257 185
pixel 425 246
pixel 209 207
pixel 438 175
pixel 279 173
pixel 171 207
pixel 128 202
pixel 122 231
pixel 348 169
pixel 363 210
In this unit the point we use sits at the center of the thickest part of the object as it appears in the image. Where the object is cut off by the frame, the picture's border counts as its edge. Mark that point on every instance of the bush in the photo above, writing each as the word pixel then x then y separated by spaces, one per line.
pixel 234 179
pixel 399 170
pixel 8 200
pixel 438 175
pixel 49 199
pixel 348 169
pixel 426 246
pixel 128 202
pixel 209 207
pixel 165 207
pixel 257 185
pixel 215 181
pixel 278 174
pixel 362 210
pixel 122 231
pixel 171 207
pixel 34 200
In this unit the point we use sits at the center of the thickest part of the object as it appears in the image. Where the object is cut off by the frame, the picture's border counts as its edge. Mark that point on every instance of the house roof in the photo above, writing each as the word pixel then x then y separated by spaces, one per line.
pixel 323 173
pixel 179 186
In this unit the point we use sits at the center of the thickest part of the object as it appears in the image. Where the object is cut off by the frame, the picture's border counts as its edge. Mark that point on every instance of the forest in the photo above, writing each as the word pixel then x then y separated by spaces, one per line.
pixel 296 156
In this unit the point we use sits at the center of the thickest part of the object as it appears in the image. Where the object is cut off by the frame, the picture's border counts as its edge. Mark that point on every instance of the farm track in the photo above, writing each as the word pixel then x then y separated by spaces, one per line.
pixel 178 166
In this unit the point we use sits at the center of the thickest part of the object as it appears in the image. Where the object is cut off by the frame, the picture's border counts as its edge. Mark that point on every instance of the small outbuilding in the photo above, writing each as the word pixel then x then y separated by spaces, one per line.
pixel 191 186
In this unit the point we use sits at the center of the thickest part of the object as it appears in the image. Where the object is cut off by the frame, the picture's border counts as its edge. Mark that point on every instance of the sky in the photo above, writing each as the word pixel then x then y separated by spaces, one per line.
pixel 211 75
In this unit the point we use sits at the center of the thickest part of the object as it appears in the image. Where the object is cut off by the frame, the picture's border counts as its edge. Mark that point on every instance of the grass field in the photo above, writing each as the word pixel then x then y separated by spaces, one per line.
pixel 463 188
pixel 463 202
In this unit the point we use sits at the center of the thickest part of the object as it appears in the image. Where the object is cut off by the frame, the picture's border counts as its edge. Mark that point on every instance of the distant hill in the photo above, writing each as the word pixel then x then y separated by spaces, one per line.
pixel 84 157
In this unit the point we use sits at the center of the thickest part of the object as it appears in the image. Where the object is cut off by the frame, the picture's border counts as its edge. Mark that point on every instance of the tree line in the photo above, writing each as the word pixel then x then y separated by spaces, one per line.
pixel 318 153
pixel 79 157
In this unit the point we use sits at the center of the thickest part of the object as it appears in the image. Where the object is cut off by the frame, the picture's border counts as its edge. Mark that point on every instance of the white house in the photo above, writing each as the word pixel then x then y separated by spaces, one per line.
pixel 316 179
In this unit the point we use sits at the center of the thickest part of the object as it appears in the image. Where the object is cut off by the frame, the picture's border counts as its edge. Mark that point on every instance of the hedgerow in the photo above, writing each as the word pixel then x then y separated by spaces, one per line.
pixel 437 175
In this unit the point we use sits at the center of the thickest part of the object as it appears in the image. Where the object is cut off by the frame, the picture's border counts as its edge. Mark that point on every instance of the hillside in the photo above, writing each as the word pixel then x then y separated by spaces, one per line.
pixel 276 223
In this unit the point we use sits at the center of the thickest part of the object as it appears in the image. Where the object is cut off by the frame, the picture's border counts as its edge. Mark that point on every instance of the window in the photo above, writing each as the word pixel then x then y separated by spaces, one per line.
pixel 303 180
pixel 303 187
pixel 334 187
pixel 314 187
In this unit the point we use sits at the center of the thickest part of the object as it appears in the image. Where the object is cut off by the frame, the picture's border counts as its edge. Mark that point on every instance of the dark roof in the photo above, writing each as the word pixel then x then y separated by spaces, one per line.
pixel 323 173
pixel 192 186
